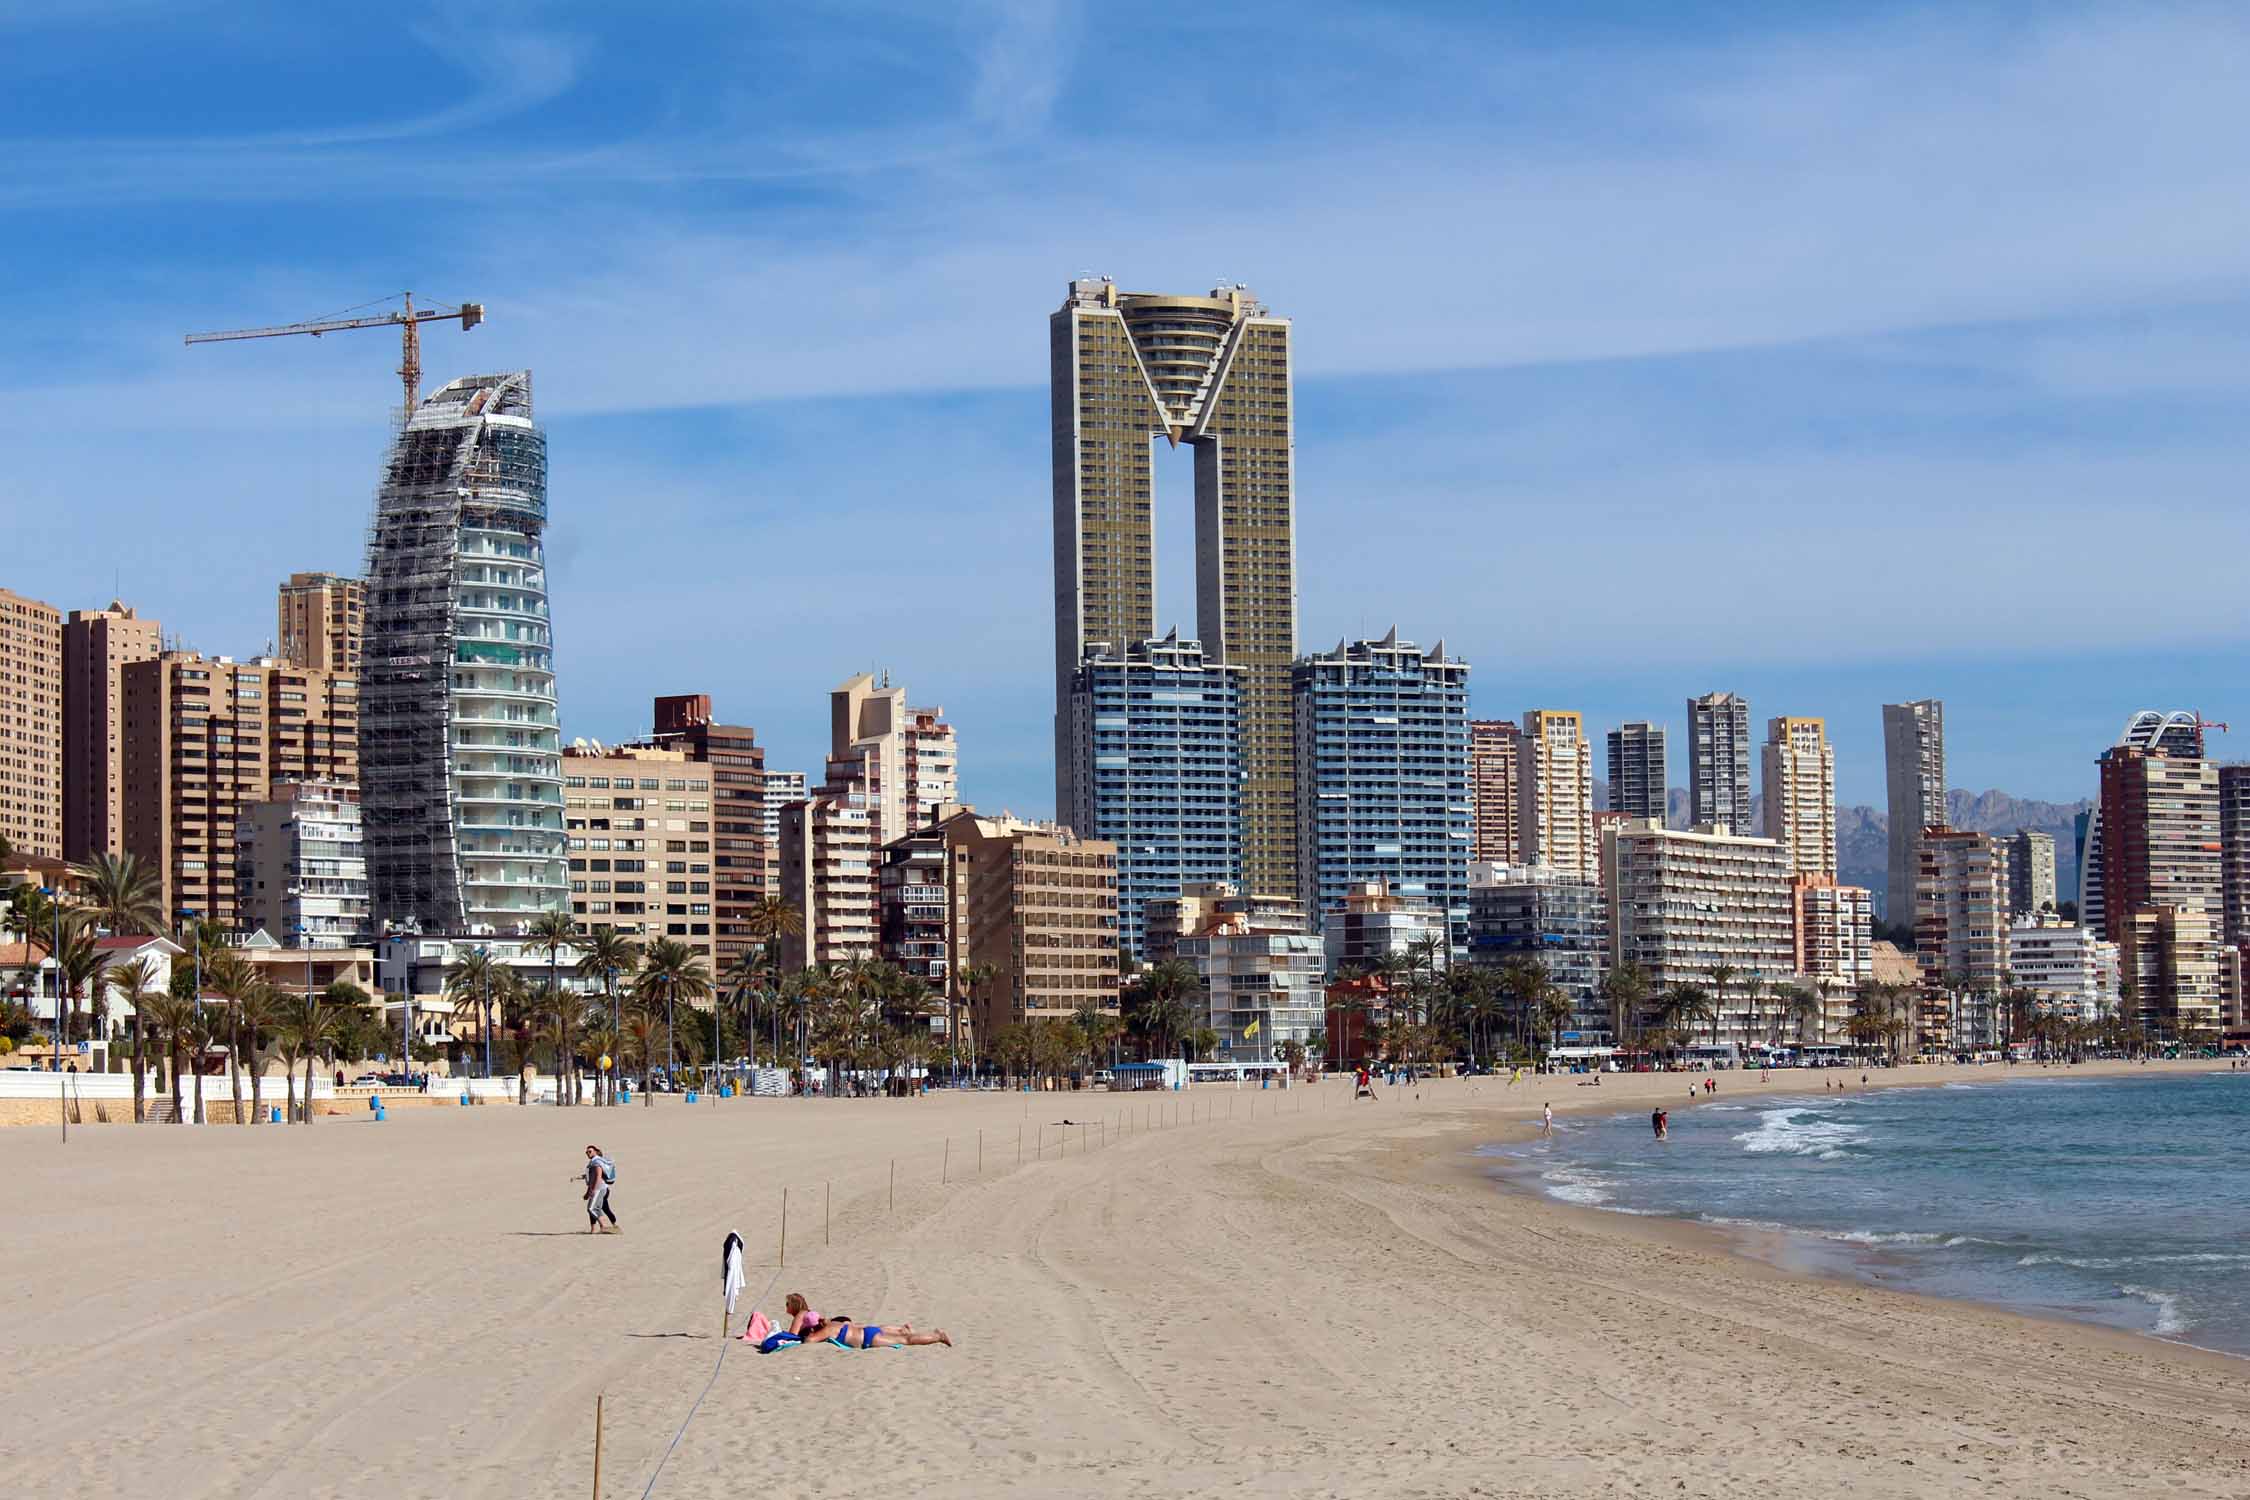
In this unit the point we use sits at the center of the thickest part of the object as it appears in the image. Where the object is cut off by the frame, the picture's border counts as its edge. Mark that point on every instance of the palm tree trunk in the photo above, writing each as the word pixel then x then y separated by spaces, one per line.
pixel 289 1080
pixel 140 1062
pixel 257 1086
pixel 199 1083
pixel 179 1098
pixel 310 1058
pixel 234 1063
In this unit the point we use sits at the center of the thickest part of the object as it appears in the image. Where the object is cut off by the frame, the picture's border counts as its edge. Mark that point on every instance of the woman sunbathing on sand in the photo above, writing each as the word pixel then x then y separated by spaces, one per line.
pixel 874 1335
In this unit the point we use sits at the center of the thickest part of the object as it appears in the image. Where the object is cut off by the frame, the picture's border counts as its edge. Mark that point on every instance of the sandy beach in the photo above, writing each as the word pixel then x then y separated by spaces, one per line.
pixel 1287 1294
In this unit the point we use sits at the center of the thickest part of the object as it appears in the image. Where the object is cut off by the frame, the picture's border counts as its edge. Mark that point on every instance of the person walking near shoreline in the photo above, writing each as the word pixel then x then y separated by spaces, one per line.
pixel 600 1174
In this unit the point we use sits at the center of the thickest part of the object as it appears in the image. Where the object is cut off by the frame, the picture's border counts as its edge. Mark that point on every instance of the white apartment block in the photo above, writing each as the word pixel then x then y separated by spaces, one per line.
pixel 2071 972
pixel 301 866
pixel 1684 903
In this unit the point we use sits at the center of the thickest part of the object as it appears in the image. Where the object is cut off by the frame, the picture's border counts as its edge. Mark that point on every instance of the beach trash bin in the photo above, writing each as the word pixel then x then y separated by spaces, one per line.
pixel 464 1098
pixel 375 1103
pixel 273 1115
pixel 726 1091
pixel 379 1112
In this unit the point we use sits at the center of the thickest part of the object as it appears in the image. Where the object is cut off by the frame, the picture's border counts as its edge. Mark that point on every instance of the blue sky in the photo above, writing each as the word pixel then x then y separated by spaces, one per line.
pixel 1830 354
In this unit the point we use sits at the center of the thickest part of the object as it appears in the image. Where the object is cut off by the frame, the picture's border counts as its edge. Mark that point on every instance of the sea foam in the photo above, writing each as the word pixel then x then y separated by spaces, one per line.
pixel 1801 1132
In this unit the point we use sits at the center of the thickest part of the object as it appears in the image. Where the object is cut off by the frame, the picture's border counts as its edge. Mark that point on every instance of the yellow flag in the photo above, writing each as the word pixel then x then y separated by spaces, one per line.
pixel 1250 1031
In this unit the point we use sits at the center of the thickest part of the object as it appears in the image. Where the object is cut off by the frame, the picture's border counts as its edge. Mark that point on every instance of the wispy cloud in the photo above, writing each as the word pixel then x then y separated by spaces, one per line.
pixel 1637 339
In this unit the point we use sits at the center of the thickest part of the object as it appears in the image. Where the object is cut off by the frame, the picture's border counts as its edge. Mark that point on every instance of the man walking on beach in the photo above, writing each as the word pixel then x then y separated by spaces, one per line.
pixel 600 1173
pixel 1546 1119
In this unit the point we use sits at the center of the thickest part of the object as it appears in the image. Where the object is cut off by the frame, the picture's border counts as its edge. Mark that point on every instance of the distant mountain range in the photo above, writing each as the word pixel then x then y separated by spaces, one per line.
pixel 1863 834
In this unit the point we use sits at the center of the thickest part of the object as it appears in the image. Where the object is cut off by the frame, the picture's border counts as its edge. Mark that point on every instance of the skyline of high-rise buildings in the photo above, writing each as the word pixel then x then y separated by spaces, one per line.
pixel 1164 743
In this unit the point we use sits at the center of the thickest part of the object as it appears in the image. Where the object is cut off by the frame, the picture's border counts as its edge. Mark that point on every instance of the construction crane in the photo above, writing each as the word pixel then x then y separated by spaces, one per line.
pixel 408 321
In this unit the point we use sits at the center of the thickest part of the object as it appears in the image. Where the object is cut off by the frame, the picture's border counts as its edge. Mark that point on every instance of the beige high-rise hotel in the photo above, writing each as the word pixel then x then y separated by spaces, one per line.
pixel 321 619
pixel 31 726
pixel 1800 768
pixel 1555 795
pixel 1212 372
pixel 98 644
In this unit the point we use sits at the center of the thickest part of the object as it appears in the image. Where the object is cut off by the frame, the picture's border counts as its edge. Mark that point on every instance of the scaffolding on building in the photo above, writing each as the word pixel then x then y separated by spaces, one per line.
pixel 463 486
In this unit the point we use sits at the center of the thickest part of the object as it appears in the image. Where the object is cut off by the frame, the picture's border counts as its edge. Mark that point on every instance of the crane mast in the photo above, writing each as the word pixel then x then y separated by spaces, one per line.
pixel 408 321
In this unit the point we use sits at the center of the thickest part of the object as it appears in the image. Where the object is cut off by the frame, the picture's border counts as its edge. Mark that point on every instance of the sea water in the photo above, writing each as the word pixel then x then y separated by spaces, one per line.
pixel 2119 1201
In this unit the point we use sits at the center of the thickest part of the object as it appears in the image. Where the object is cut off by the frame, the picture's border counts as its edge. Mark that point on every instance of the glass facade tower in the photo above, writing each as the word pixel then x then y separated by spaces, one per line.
pixel 1383 776
pixel 1157 749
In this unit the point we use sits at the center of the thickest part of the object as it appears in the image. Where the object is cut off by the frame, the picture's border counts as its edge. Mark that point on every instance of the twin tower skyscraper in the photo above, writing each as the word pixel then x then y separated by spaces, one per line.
pixel 1213 373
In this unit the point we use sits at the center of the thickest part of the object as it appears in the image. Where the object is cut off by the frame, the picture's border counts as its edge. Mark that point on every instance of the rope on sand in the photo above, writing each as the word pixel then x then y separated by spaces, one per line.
pixel 735 1246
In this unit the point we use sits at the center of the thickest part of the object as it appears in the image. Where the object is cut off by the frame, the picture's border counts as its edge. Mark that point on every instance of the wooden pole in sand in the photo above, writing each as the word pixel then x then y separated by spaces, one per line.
pixel 783 1260
pixel 827 1196
pixel 894 1184
pixel 1019 1145
pixel 980 1153
pixel 597 1448
pixel 946 1165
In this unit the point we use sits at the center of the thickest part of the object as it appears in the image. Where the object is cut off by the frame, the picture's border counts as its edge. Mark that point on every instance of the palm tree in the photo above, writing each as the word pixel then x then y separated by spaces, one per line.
pixel 1523 980
pixel 1626 988
pixel 136 986
pixel 640 1041
pixel 1555 1012
pixel 256 1011
pixel 971 980
pixel 309 1022
pixel 1159 1008
pixel 604 954
pixel 1723 977
pixel 81 963
pixel 1096 1028
pixel 1687 1004
pixel 471 980
pixel 554 931
pixel 121 893
pixel 229 975
pixel 170 1017
pixel 770 919
pixel 1354 1006
pixel 670 972
pixel 197 1033
pixel 1203 1041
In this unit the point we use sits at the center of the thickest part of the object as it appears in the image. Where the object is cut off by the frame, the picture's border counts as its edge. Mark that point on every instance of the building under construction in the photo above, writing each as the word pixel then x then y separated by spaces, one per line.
pixel 460 760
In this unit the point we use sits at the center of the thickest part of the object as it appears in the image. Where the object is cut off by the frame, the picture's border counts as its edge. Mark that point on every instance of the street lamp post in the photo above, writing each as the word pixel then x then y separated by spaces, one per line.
pixel 616 1038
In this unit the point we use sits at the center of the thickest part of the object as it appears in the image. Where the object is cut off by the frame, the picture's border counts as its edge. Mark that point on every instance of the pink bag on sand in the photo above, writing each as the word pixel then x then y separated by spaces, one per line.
pixel 759 1330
